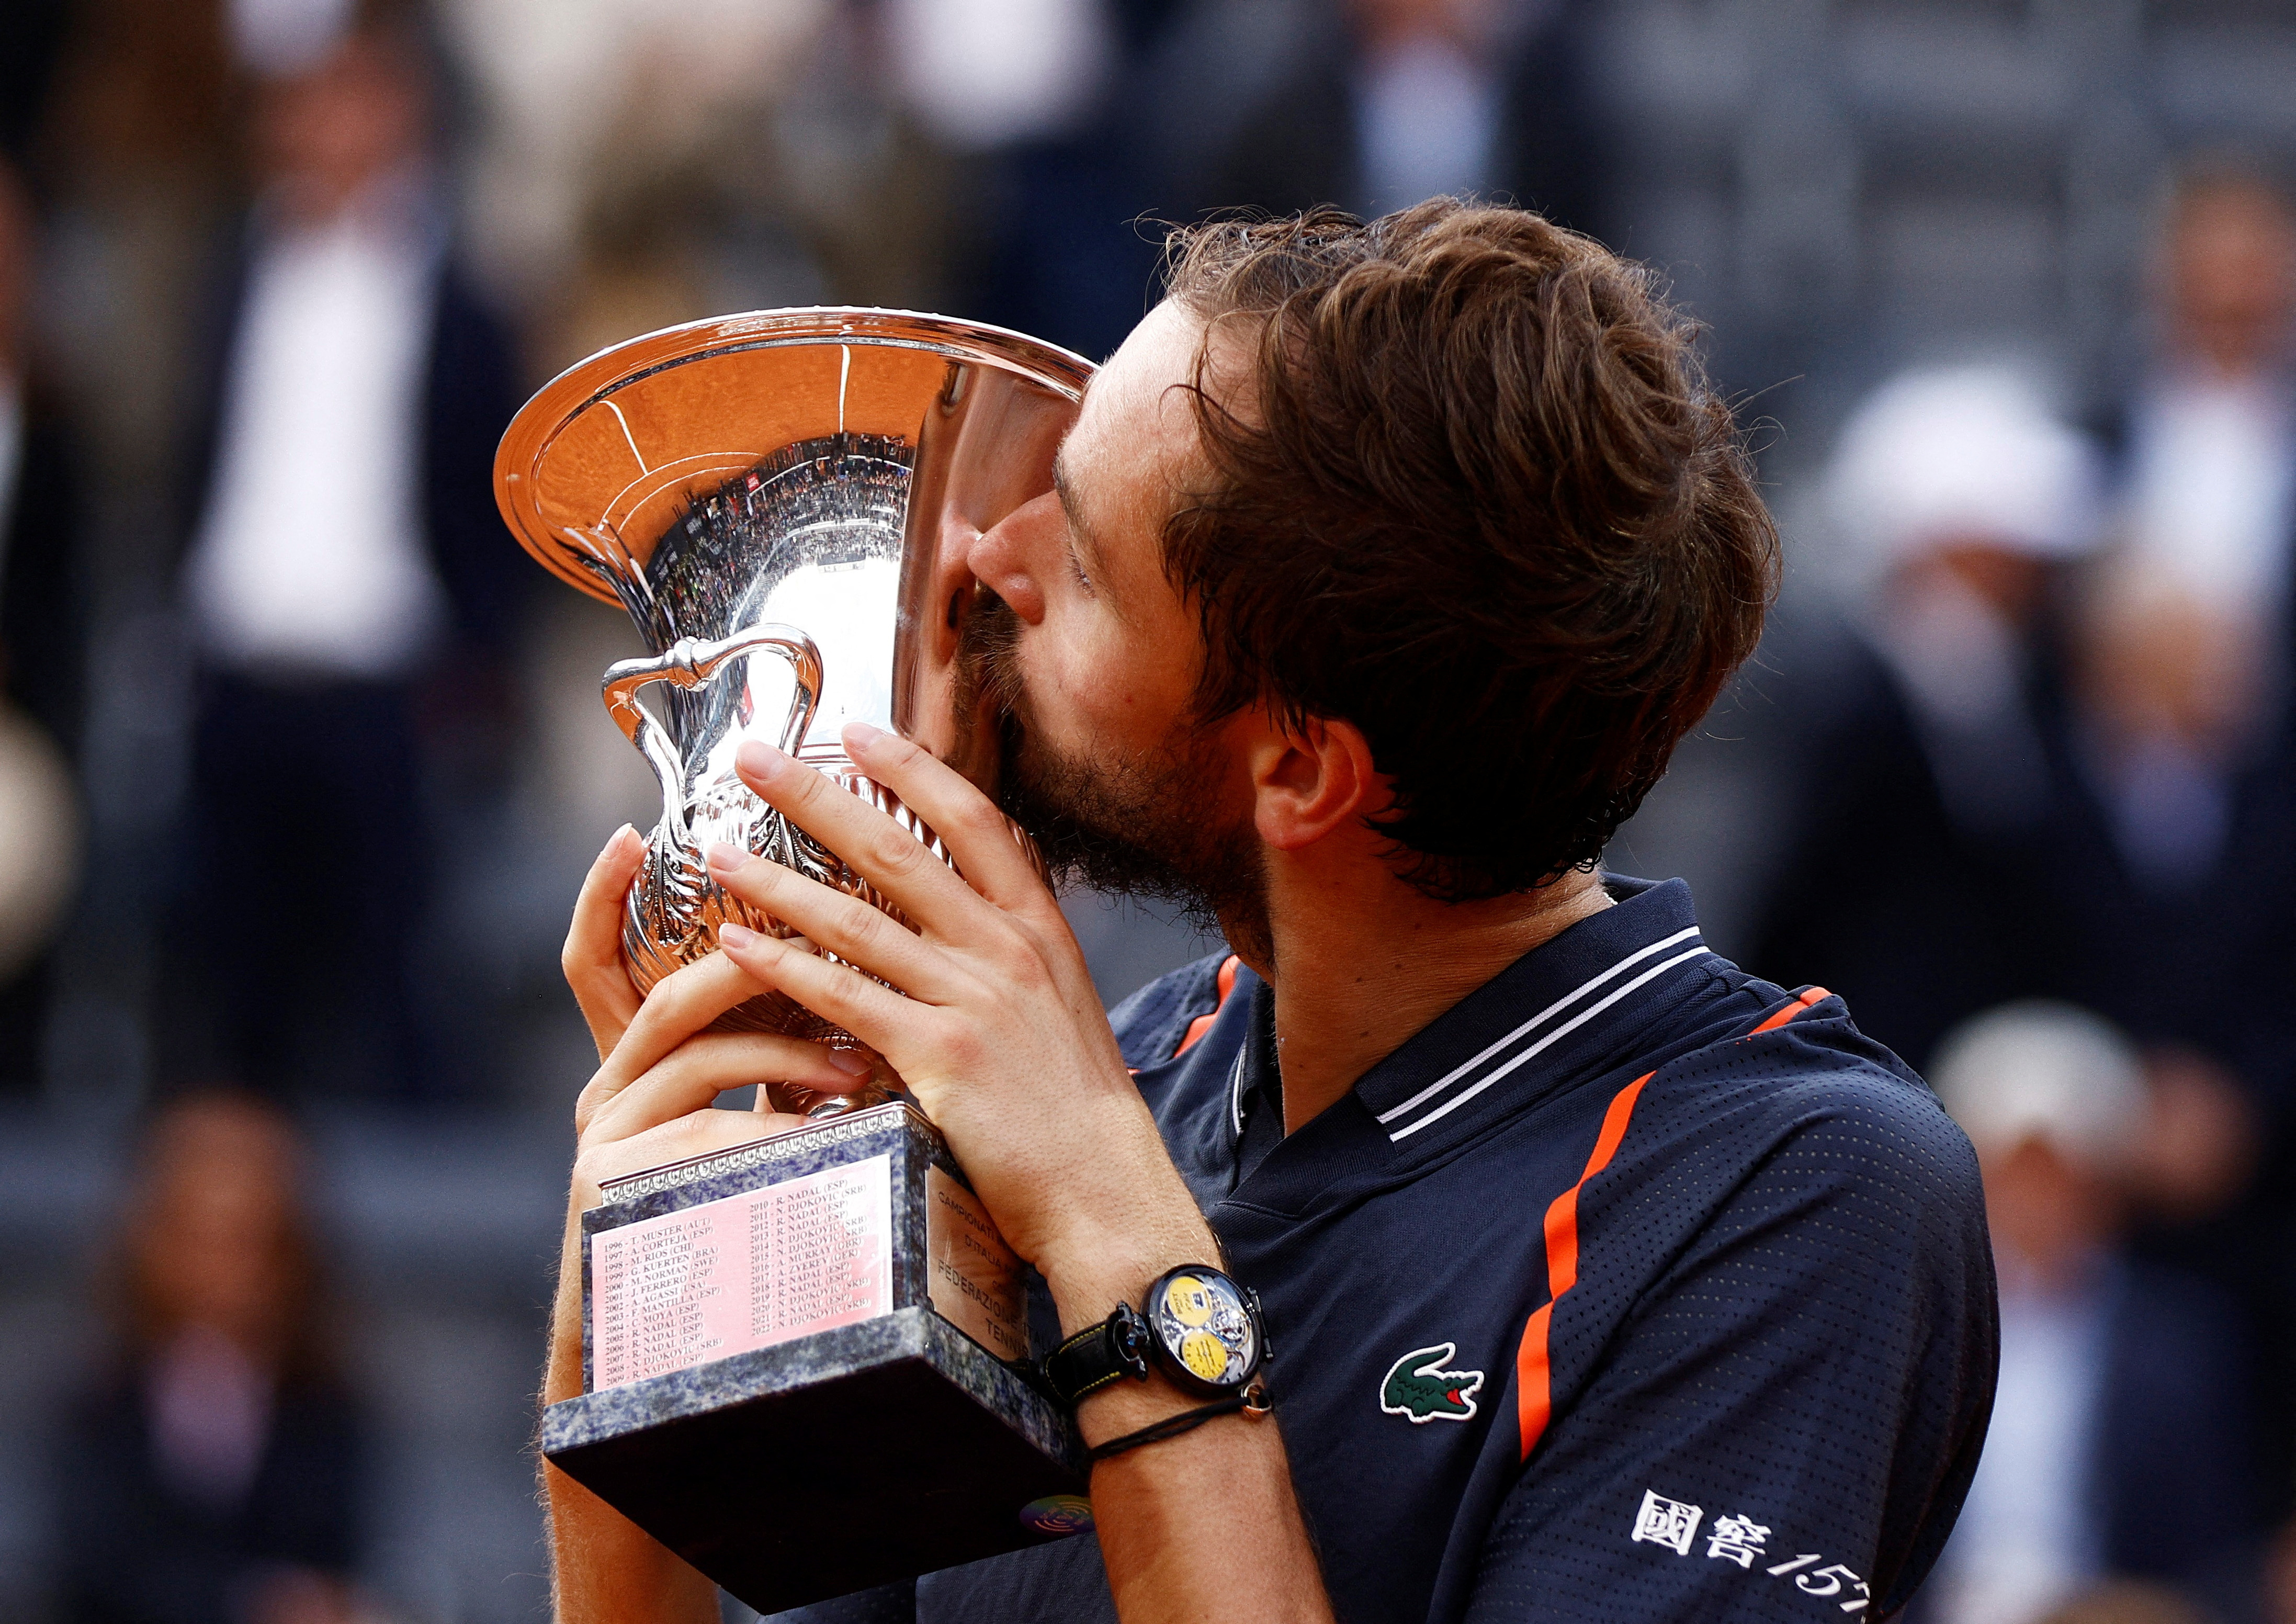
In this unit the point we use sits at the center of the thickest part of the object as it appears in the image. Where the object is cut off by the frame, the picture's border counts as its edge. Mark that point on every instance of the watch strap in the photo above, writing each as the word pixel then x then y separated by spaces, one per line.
pixel 1114 1349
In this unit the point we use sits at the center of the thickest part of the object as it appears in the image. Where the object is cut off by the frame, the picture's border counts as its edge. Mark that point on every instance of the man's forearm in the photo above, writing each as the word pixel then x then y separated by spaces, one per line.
pixel 1205 1525
pixel 604 1569
pixel 1202 1526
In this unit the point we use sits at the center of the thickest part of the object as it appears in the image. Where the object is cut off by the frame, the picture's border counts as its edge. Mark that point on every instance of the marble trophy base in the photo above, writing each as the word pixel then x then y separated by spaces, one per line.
pixel 799 1367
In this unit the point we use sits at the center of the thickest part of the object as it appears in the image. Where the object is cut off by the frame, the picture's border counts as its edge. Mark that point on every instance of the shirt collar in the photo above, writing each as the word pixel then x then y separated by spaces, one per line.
pixel 1578 996
pixel 1256 1084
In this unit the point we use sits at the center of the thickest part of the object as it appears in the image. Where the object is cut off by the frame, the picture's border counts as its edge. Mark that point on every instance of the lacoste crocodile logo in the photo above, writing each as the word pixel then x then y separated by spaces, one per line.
pixel 1419 1387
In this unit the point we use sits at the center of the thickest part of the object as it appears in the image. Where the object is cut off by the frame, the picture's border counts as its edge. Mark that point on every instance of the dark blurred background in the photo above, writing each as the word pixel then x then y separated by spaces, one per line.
pixel 301 759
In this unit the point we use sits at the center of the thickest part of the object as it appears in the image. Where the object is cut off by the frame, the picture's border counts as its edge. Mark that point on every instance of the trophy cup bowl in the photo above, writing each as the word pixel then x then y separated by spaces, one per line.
pixel 783 502
pixel 806 1359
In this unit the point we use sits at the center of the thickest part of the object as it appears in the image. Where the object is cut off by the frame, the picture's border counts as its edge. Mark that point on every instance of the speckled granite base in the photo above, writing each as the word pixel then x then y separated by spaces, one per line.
pixel 831 1462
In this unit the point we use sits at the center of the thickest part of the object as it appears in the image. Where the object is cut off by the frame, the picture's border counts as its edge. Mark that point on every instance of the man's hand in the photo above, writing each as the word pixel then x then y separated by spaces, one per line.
pixel 996 1028
pixel 650 1102
pixel 652 1099
pixel 998 1031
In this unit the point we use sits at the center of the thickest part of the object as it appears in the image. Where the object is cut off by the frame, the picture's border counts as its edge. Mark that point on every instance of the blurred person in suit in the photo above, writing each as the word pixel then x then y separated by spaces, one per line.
pixel 2183 763
pixel 351 592
pixel 212 1474
pixel 2170 862
pixel 2186 679
pixel 1922 784
pixel 1073 118
pixel 42 649
pixel 2119 1443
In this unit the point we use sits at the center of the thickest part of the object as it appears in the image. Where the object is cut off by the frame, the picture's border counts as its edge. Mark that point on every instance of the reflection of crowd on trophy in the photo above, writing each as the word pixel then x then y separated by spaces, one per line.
pixel 300 758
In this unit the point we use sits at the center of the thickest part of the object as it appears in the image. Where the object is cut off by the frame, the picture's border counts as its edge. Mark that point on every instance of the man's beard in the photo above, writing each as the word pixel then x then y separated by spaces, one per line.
pixel 1145 825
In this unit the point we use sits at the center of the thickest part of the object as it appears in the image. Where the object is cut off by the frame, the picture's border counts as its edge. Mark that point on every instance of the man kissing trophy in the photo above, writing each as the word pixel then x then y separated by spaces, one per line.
pixel 826 1317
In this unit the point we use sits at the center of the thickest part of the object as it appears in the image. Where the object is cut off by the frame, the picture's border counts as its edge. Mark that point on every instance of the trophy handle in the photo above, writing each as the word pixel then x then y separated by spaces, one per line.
pixel 689 662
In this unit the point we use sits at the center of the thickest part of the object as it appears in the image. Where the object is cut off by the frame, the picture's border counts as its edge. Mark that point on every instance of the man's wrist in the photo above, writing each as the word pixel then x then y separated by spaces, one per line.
pixel 1194 1342
pixel 1093 1287
pixel 1090 1289
pixel 1127 1406
pixel 1094 1270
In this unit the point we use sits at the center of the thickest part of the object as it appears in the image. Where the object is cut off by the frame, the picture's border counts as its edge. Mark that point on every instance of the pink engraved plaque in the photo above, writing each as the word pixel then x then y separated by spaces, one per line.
pixel 745 1271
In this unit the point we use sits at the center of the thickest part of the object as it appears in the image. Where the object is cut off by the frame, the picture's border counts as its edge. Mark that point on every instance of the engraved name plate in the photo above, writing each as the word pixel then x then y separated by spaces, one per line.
pixel 742 1272
pixel 972 1277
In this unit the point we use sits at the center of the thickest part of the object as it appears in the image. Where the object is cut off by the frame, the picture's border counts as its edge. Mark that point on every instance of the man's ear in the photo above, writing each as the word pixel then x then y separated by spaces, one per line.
pixel 1310 779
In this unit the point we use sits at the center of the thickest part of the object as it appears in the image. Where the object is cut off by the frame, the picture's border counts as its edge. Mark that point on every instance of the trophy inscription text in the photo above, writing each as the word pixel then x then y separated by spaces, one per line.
pixel 974 1280
pixel 747 1271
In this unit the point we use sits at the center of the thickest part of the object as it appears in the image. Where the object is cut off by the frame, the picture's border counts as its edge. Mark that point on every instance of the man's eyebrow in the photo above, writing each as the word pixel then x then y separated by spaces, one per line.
pixel 1080 539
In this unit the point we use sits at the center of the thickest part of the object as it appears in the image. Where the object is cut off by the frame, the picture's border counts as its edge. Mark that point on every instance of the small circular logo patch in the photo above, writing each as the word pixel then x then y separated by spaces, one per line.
pixel 1058 1515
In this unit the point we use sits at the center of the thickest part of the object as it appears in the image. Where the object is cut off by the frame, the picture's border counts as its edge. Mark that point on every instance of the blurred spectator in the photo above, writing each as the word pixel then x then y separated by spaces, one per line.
pixel 43 648
pixel 2171 865
pixel 2203 1136
pixel 1037 109
pixel 347 581
pixel 2185 671
pixel 1118 114
pixel 1378 104
pixel 988 73
pixel 212 1475
pixel 2119 1446
pixel 139 150
pixel 737 154
pixel 1925 788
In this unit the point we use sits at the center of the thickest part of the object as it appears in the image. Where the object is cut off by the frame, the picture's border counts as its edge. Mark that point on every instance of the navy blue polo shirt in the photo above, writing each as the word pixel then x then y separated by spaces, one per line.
pixel 1632 1288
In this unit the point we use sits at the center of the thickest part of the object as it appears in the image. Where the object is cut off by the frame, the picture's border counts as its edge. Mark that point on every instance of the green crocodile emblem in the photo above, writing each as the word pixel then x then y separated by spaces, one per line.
pixel 1419 1387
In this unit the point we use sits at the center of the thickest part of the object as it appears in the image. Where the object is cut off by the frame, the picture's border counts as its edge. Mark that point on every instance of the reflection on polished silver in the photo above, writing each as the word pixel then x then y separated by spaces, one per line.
pixel 782 501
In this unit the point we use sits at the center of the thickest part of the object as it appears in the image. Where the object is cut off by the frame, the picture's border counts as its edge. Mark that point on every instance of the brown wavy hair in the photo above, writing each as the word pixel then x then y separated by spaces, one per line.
pixel 1478 499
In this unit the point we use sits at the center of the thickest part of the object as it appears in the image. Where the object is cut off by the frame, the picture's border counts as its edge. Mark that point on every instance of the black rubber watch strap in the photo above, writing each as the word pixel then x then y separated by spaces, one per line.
pixel 1098 1355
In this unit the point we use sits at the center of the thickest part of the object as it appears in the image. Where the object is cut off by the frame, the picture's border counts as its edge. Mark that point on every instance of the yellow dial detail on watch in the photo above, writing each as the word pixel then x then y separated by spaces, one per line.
pixel 1205 1354
pixel 1188 1301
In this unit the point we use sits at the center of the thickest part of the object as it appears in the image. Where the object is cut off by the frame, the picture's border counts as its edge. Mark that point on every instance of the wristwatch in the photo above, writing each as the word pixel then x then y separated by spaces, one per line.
pixel 1197 1325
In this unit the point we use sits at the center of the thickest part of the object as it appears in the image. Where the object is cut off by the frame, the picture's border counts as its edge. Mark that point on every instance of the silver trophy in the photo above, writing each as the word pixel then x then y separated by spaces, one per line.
pixel 782 501
pixel 785 503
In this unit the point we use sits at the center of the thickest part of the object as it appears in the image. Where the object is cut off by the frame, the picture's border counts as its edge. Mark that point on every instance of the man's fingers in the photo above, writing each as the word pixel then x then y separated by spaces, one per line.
pixel 592 958
pixel 700 1069
pixel 681 1004
pixel 846 926
pixel 978 835
pixel 877 1015
pixel 980 840
pixel 877 848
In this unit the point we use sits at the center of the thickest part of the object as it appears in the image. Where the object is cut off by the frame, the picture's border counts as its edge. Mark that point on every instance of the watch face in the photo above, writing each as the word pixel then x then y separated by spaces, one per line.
pixel 1200 1317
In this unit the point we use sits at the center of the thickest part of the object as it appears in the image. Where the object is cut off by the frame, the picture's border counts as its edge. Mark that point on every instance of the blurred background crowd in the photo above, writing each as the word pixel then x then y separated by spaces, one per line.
pixel 300 758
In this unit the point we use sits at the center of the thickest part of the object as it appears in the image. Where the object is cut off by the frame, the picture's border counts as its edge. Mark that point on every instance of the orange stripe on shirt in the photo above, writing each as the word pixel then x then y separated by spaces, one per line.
pixel 1204 1023
pixel 1807 1000
pixel 1533 1397
pixel 1534 1402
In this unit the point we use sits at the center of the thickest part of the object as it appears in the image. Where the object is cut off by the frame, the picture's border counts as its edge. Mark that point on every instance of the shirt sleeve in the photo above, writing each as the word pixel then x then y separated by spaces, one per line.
pixel 1782 1425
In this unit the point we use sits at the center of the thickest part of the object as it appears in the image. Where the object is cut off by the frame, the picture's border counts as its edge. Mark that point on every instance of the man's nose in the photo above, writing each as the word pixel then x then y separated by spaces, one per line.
pixel 1006 558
